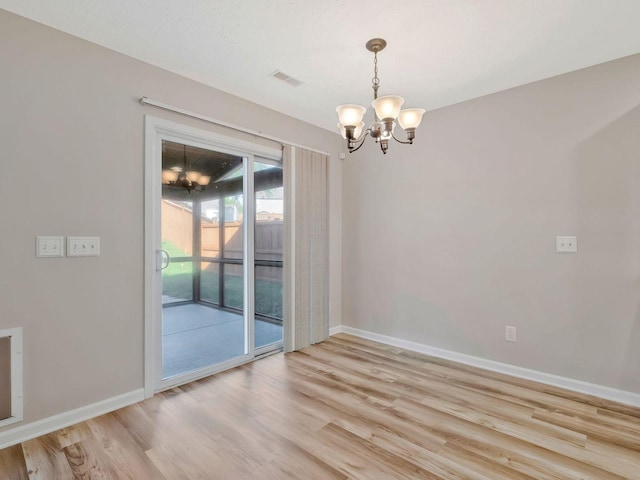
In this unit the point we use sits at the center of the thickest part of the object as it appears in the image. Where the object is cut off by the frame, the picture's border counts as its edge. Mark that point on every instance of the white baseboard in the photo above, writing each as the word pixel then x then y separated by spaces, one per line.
pixel 335 330
pixel 608 393
pixel 35 429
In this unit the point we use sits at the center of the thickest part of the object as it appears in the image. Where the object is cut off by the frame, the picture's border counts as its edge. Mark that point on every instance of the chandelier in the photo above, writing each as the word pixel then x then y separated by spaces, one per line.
pixel 387 111
pixel 180 177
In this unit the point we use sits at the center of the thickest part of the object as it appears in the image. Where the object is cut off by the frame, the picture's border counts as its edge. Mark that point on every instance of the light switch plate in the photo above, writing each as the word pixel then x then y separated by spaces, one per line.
pixel 83 246
pixel 49 246
pixel 566 244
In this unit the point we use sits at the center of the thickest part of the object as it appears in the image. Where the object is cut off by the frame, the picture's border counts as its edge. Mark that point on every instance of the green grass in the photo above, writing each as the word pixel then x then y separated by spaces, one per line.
pixel 177 281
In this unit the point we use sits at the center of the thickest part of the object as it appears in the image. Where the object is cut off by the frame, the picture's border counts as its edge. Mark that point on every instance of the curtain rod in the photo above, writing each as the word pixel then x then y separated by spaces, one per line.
pixel 148 101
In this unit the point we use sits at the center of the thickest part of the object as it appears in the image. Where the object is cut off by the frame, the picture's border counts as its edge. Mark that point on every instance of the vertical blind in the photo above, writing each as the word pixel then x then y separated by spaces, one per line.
pixel 306 246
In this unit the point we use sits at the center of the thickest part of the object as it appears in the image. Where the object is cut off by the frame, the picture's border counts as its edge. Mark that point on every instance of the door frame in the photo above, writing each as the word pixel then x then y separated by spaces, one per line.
pixel 157 130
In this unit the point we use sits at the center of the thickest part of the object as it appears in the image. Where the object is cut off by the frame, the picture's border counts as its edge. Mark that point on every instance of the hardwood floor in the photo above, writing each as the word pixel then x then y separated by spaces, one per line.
pixel 346 408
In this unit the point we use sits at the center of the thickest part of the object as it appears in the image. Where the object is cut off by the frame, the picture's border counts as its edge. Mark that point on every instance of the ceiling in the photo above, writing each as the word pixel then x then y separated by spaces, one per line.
pixel 439 52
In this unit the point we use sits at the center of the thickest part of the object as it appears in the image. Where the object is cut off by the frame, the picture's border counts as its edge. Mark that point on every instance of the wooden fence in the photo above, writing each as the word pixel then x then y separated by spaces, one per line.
pixel 177 228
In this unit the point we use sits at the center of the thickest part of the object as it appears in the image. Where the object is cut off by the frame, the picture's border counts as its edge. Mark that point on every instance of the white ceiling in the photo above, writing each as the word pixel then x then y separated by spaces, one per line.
pixel 439 52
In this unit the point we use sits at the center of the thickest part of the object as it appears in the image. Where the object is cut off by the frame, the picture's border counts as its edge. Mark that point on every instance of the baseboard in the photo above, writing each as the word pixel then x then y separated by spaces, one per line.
pixel 335 330
pixel 608 393
pixel 35 429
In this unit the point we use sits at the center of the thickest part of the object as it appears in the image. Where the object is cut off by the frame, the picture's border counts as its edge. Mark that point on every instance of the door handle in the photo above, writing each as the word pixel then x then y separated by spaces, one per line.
pixel 163 259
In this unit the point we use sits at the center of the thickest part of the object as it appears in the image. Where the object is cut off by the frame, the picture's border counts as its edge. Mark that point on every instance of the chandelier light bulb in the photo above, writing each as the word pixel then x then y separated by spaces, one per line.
pixel 388 106
pixel 185 177
pixel 410 117
pixel 169 176
pixel 192 175
pixel 350 115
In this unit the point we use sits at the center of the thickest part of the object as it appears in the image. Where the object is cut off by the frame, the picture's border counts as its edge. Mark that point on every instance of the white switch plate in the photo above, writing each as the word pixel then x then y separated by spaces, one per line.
pixel 83 246
pixel 509 333
pixel 567 244
pixel 49 246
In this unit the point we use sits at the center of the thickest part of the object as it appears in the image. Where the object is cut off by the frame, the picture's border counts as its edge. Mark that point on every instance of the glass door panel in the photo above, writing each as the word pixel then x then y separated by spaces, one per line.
pixel 210 282
pixel 210 268
pixel 233 252
pixel 202 316
pixel 177 282
pixel 177 245
pixel 268 244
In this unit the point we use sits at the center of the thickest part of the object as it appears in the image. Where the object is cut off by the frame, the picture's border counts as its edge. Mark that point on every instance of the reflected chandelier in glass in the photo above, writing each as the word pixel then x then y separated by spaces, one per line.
pixel 182 177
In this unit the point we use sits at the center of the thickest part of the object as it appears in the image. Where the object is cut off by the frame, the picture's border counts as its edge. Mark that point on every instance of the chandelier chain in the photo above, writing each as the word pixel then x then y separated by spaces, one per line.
pixel 375 81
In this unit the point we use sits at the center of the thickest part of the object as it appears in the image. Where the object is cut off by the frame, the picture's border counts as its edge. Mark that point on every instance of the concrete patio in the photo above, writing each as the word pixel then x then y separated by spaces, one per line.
pixel 195 336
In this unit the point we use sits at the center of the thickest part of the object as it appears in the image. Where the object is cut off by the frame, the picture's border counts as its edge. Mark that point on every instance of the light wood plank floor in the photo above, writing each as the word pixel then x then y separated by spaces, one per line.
pixel 346 408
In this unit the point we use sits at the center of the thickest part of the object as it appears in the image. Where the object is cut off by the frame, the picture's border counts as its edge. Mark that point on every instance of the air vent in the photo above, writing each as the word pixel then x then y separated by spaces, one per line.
pixel 10 376
pixel 286 78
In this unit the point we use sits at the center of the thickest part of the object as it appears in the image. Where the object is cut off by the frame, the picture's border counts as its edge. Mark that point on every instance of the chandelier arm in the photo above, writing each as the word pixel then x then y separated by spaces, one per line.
pixel 364 136
pixel 408 142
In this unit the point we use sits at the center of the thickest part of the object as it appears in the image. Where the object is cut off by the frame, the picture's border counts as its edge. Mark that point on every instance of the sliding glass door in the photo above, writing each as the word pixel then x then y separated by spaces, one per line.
pixel 220 259
pixel 203 320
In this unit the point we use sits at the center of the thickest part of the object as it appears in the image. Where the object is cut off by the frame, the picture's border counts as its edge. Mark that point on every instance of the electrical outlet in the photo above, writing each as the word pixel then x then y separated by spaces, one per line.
pixel 49 246
pixel 83 246
pixel 509 333
pixel 567 244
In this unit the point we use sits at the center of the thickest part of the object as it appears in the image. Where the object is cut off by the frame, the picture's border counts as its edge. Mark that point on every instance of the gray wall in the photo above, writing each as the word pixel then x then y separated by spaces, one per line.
pixel 447 241
pixel 72 154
